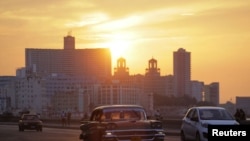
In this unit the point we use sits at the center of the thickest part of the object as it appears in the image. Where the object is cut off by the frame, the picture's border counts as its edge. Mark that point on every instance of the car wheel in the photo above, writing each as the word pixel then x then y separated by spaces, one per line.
pixel 197 138
pixel 183 138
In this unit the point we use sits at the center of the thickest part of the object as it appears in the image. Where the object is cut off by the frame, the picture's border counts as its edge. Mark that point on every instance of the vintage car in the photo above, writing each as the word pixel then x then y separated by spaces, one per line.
pixel 30 122
pixel 121 123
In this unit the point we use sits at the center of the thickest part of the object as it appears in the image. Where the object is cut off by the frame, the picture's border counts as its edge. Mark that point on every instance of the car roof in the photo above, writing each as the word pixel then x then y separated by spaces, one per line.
pixel 208 107
pixel 117 106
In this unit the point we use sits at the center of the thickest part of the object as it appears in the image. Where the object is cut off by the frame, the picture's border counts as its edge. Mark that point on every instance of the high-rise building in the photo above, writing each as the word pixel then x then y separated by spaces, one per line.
pixel 197 90
pixel 212 92
pixel 69 42
pixel 182 72
pixel 92 62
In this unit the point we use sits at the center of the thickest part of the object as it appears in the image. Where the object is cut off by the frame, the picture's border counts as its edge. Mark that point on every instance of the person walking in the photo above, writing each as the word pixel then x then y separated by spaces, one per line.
pixel 237 115
pixel 242 115
pixel 63 118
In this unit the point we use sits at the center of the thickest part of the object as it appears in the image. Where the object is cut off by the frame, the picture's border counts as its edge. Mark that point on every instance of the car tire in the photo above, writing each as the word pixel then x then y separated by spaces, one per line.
pixel 39 129
pixel 183 138
pixel 197 137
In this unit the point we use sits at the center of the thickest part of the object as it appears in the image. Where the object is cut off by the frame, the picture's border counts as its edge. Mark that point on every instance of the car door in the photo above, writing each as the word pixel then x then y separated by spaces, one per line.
pixel 194 123
pixel 186 123
pixel 190 124
pixel 94 131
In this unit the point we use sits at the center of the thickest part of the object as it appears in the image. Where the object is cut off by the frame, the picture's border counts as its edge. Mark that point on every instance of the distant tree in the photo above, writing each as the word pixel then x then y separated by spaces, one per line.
pixel 161 100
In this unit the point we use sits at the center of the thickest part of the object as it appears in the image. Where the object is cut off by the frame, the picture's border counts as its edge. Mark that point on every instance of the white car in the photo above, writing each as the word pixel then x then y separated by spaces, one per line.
pixel 196 120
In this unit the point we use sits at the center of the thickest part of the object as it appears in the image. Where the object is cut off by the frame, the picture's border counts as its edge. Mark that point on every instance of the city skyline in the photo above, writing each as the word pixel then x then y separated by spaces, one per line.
pixel 215 32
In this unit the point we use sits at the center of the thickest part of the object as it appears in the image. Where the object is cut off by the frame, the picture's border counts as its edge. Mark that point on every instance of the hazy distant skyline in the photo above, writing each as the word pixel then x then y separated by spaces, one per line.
pixel 216 33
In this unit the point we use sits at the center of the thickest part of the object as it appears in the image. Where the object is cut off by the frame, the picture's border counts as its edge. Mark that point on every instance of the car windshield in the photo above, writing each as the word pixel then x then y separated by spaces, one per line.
pixel 30 117
pixel 215 114
pixel 121 114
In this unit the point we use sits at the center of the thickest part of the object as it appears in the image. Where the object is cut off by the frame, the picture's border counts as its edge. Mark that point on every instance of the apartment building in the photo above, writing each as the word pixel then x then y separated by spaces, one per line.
pixel 94 63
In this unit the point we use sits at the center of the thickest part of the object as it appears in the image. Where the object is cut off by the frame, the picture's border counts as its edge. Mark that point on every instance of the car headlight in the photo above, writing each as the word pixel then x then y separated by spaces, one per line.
pixel 161 133
pixel 108 133
pixel 156 125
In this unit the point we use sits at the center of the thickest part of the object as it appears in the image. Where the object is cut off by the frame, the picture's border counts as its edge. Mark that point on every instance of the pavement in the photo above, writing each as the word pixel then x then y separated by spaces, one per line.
pixel 168 131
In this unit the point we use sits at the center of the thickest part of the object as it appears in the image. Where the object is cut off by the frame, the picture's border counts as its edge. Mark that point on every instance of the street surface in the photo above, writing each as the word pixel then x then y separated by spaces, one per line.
pixel 11 133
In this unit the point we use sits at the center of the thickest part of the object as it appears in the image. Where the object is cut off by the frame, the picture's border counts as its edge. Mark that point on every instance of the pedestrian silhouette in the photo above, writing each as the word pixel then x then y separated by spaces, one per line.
pixel 63 118
pixel 240 115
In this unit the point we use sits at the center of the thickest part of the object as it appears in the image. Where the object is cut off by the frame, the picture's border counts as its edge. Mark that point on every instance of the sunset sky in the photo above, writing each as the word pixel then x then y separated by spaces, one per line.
pixel 216 32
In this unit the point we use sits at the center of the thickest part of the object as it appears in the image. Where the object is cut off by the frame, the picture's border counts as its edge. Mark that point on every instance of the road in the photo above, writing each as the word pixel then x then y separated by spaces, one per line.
pixel 11 133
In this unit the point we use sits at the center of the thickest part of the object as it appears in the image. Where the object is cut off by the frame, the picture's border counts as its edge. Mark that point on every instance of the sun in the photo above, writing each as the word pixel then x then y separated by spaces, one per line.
pixel 118 44
pixel 118 48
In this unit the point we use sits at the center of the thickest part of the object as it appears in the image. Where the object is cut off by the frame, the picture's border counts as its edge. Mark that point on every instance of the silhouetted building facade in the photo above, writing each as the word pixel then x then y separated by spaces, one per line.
pixel 94 63
pixel 69 42
pixel 211 93
pixel 121 71
pixel 182 73
pixel 243 102
pixel 169 85
pixel 197 90
pixel 153 82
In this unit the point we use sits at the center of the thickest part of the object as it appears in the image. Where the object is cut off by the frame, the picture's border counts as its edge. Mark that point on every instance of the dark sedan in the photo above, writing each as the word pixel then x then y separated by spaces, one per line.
pixel 121 123
pixel 30 122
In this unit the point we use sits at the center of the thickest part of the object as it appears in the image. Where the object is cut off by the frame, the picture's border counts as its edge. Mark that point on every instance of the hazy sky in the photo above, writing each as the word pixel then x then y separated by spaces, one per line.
pixel 216 32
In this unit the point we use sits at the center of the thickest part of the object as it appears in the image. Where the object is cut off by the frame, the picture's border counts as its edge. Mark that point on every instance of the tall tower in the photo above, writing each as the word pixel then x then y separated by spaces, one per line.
pixel 152 68
pixel 69 42
pixel 182 73
pixel 121 71
pixel 153 82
